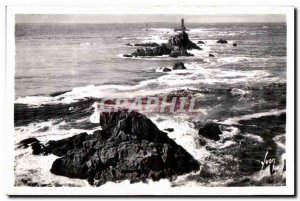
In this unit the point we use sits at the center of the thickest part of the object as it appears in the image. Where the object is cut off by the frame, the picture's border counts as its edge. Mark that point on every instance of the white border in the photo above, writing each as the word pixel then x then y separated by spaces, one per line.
pixel 10 69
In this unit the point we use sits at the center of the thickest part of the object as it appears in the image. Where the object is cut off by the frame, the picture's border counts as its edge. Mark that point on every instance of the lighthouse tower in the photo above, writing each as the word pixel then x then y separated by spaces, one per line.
pixel 182 27
pixel 182 24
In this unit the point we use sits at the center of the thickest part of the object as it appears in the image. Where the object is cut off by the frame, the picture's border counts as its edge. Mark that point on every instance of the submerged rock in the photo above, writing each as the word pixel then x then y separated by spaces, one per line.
pixel 130 146
pixel 179 66
pixel 127 55
pixel 222 41
pixel 210 131
pixel 211 55
pixel 200 42
pixel 234 44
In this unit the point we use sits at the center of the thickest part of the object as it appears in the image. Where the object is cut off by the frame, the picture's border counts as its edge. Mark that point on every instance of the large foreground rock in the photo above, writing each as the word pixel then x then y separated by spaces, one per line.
pixel 130 146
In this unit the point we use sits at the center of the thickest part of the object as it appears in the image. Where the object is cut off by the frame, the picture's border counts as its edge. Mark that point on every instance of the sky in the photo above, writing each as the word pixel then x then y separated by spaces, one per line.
pixel 131 18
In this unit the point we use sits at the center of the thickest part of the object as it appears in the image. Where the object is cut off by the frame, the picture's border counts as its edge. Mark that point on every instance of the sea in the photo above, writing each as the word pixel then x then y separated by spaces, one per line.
pixel 63 69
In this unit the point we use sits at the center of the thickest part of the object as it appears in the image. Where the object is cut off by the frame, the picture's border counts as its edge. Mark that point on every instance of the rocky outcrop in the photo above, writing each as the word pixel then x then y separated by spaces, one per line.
pixel 222 41
pixel 182 41
pixel 234 44
pixel 161 50
pixel 176 46
pixel 129 146
pixel 146 44
pixel 210 131
pixel 166 69
pixel 34 143
pixel 143 44
pixel 200 42
pixel 211 55
pixel 179 66
pixel 179 53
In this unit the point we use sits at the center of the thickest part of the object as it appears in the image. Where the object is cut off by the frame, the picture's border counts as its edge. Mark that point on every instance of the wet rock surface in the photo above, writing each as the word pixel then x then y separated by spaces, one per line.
pixel 166 69
pixel 210 131
pixel 179 66
pixel 130 146
pixel 222 41
pixel 176 46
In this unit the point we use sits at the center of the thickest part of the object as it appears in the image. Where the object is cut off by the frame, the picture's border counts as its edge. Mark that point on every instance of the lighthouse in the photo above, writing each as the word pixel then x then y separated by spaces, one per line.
pixel 182 27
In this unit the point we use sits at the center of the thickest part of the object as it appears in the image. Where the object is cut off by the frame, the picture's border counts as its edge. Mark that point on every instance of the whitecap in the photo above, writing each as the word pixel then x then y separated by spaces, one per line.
pixel 254 137
pixel 236 91
pixel 235 120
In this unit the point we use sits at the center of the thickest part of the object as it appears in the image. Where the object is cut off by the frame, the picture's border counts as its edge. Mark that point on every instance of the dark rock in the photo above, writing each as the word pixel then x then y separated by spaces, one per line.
pixel 169 129
pixel 200 42
pixel 149 52
pixel 177 46
pixel 249 165
pixel 182 41
pixel 141 52
pixel 147 44
pixel 157 51
pixel 167 70
pixel 36 148
pixel 129 146
pixel 179 66
pixel 210 131
pixel 177 53
pixel 135 54
pixel 127 55
pixel 209 148
pixel 202 142
pixel 129 44
pixel 26 142
pixel 246 180
pixel 222 41
pixel 234 44
pixel 206 172
pixel 211 55
pixel 62 147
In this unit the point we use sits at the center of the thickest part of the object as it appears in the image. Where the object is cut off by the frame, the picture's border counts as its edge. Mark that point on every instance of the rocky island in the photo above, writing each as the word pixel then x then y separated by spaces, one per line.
pixel 129 146
pixel 177 45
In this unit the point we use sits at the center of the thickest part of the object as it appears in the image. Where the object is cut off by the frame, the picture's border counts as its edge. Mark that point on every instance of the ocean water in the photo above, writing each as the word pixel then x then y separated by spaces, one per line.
pixel 63 69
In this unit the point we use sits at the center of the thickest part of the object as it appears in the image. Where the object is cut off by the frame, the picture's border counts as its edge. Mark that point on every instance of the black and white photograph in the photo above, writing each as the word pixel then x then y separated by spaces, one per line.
pixel 151 103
